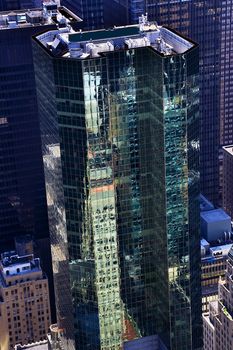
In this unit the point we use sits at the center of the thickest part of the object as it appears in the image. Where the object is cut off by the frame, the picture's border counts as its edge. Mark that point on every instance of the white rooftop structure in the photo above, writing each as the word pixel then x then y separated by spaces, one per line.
pixel 214 252
pixel 49 14
pixel 81 45
pixel 228 149
pixel 13 265
pixel 41 345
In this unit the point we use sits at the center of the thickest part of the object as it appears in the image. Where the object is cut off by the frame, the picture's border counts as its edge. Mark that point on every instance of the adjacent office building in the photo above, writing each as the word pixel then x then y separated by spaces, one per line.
pixel 218 322
pixel 98 14
pixel 217 239
pixel 22 196
pixel 91 11
pixel 24 301
pixel 120 134
pixel 23 206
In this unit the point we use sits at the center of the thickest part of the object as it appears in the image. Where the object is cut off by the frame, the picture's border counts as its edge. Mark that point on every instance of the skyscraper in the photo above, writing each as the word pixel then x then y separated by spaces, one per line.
pixel 208 23
pixel 22 196
pixel 98 14
pixel 120 134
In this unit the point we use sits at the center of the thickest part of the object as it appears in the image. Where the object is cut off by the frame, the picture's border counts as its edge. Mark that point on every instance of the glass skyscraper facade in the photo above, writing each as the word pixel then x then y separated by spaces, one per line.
pixel 120 133
pixel 209 24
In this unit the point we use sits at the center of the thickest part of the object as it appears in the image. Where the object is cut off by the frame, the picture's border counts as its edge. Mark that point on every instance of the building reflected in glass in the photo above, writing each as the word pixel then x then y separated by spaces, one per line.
pixel 98 14
pixel 120 134
pixel 208 23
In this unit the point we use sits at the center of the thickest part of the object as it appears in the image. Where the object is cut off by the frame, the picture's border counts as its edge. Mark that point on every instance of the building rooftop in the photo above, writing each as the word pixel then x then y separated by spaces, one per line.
pixel 214 215
pixel 216 252
pixel 228 149
pixel 81 45
pixel 49 14
pixel 221 250
pixel 12 265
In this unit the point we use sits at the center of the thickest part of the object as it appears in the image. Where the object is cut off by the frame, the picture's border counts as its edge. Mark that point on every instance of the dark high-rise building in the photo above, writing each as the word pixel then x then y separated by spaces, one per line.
pixel 22 196
pixel 9 5
pixel 6 5
pixel 23 206
pixel 120 134
pixel 136 8
pixel 97 14
pixel 208 23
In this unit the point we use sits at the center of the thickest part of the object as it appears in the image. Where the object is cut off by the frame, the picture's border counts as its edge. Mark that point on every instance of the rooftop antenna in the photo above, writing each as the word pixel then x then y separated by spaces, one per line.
pixel 143 21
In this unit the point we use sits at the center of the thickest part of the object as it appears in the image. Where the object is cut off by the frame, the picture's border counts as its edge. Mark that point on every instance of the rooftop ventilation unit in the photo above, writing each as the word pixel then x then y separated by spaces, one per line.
pixel 95 49
pixel 75 50
pixel 140 42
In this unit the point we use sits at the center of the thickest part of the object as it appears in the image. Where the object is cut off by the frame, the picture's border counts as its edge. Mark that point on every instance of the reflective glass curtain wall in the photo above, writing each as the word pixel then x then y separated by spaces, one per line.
pixel 209 24
pixel 125 127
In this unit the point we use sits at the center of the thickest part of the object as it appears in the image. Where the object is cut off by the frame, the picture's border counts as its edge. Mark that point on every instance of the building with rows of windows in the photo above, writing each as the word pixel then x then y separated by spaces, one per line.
pixel 218 322
pixel 119 121
pixel 24 301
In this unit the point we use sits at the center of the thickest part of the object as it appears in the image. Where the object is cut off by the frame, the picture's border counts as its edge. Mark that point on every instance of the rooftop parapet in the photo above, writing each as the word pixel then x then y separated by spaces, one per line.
pixel 90 44
pixel 12 265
